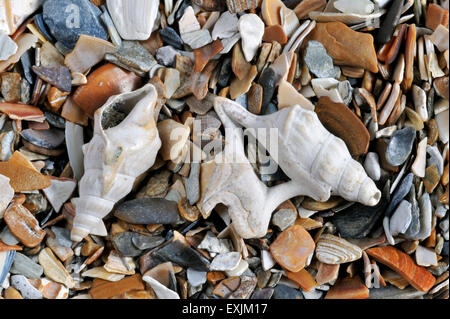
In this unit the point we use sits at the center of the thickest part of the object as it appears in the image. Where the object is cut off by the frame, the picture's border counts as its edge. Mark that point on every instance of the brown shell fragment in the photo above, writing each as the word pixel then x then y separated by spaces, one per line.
pixel 342 122
pixel 345 46
pixel 22 112
pixel 24 225
pixel 254 96
pixel 436 15
pixel 410 46
pixel 306 6
pixel 274 33
pixel 199 81
pixel 104 82
pixel 188 212
pixel 204 54
pixel 102 289
pixel 241 86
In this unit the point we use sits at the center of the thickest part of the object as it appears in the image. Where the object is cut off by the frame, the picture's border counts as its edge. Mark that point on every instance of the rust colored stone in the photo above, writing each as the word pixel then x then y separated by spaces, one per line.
pixel 444 179
pixel 73 113
pixel 56 98
pixel 327 273
pixel 274 33
pixel 444 198
pixel 303 278
pixel 345 46
pixel 22 112
pixel 403 264
pixel 348 288
pixel 342 122
pixel 239 65
pixel 292 248
pixel 394 48
pixel 433 132
pixel 431 179
pixel 214 277
pixel 22 174
pixel 188 212
pixel 410 46
pixel 12 293
pixel 306 6
pixel 104 82
pixel 102 289
pixel 4 247
pixel 24 225
pixel 436 15
pixel 39 126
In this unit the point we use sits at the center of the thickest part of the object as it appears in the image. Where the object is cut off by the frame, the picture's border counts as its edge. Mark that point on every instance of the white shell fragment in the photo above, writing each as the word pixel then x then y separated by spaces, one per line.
pixel 74 142
pixel 115 157
pixel 59 192
pixel 161 291
pixel 327 87
pixel 420 102
pixel 440 38
pixel 6 194
pixel 418 167
pixel 372 166
pixel 134 19
pixel 288 95
pixel 251 28
pixel 355 6
pixel 88 52
pixel 425 256
pixel 188 22
pixel 7 46
pixel 196 39
pixel 14 12
pixel 226 26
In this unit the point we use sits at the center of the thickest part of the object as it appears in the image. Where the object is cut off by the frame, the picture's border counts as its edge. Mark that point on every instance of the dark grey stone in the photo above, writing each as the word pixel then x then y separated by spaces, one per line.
pixel 267 81
pixel 68 19
pixel 265 293
pixel 5 266
pixel 144 242
pixel 123 242
pixel 390 22
pixel 318 60
pixel 285 292
pixel 23 265
pixel 40 24
pixel 400 193
pixel 49 139
pixel 148 211
pixel 400 146
pixel 171 37
pixel 27 61
pixel 59 77
pixel 358 220
pixel 166 55
pixel 444 251
pixel 414 226
pixel 178 251
pixel 132 56
pixel 391 292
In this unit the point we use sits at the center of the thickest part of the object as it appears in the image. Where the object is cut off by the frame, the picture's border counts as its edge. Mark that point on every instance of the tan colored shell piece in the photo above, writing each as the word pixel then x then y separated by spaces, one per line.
pixel 117 154
pixel 335 250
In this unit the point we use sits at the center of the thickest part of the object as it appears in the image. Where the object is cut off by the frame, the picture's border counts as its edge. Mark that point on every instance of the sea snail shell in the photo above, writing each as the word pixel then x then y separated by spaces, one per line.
pixel 310 155
pixel 124 146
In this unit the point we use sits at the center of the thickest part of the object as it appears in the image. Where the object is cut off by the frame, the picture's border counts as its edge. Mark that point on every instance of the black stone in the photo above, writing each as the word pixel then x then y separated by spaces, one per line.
pixel 55 120
pixel 48 139
pixel 178 251
pixel 59 77
pixel 225 72
pixel 148 211
pixel 400 193
pixel 358 220
pixel 27 61
pixel 390 22
pixel 171 37
pixel 123 242
pixel 267 81
pixel 285 292
pixel 68 19
pixel 400 146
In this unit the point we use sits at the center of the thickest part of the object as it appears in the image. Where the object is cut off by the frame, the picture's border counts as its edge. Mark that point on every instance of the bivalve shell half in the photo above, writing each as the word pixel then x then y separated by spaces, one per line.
pixel 335 250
